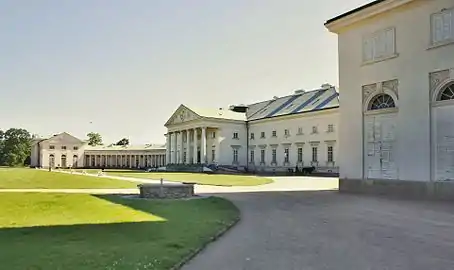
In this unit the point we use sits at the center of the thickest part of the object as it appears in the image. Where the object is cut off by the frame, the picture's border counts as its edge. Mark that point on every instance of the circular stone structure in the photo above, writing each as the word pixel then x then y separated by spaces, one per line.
pixel 166 191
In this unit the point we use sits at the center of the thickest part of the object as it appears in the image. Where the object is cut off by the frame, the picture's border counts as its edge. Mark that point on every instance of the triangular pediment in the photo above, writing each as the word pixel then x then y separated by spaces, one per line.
pixel 64 138
pixel 181 115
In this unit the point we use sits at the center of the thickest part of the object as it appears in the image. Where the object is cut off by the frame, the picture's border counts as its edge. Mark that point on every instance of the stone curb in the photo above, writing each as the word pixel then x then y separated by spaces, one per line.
pixel 219 234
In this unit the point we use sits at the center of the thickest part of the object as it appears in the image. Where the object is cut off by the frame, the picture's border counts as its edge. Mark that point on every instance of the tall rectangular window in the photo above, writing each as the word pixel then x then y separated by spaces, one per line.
pixel 184 157
pixel 273 155
pixel 252 156
pixel 213 135
pixel 300 131
pixel 213 155
pixel 235 155
pixel 286 155
pixel 235 135
pixel 379 45
pixel 330 154
pixel 262 135
pixel 330 128
pixel 274 133
pixel 252 136
pixel 314 154
pixel 300 154
pixel 262 156
pixel 314 130
pixel 287 132
pixel 442 24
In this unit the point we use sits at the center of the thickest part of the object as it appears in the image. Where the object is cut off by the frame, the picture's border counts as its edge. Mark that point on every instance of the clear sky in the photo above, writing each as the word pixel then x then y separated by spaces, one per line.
pixel 121 68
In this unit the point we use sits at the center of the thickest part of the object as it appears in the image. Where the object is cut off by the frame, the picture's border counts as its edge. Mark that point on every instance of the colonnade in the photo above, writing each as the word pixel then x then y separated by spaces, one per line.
pixel 124 161
pixel 188 146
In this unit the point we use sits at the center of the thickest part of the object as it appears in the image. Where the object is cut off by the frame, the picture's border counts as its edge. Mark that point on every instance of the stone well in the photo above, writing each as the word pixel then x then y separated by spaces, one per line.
pixel 166 191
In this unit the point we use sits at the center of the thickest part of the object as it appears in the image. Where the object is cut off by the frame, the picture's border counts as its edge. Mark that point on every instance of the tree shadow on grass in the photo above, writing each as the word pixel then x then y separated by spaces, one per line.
pixel 127 245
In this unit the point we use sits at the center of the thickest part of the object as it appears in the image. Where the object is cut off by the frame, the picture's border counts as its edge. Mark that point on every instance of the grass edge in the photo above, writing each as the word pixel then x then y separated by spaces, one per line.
pixel 214 238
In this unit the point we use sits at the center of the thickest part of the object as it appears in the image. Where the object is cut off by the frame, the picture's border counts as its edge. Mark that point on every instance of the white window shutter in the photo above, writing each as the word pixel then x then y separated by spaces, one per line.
pixel 447 25
pixel 437 28
pixel 367 49
pixel 379 45
pixel 390 42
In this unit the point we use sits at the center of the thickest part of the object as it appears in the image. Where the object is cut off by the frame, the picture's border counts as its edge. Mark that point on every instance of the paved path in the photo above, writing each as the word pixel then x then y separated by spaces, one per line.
pixel 325 230
pixel 279 184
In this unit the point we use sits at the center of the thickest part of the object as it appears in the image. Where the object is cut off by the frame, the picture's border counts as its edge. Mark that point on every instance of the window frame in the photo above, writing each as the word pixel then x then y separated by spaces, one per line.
pixel 300 154
pixel 450 40
pixel 286 155
pixel 262 155
pixel 235 135
pixel 330 153
pixel 371 38
pixel 315 153
pixel 235 155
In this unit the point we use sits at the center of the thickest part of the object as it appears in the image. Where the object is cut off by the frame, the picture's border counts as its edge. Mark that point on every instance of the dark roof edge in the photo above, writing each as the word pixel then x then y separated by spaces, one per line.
pixel 324 109
pixel 376 2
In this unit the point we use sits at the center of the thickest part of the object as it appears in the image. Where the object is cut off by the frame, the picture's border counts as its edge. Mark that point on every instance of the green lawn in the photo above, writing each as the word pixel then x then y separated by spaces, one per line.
pixel 32 178
pixel 200 178
pixel 86 232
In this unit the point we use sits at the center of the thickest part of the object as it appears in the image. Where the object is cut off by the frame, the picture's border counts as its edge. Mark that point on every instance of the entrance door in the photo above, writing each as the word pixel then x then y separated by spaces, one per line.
pixel 444 140
pixel 198 156
pixel 380 142
pixel 63 161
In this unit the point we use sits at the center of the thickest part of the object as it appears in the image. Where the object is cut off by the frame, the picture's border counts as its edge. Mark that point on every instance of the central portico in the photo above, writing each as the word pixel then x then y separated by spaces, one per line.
pixel 203 136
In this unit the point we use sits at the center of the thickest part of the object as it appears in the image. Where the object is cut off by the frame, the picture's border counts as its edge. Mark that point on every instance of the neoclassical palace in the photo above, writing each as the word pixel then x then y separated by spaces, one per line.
pixel 297 130
pixel 396 68
pixel 64 150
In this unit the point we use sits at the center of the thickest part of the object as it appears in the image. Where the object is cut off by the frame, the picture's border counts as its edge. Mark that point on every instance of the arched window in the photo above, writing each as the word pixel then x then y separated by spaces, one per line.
pixel 447 93
pixel 381 101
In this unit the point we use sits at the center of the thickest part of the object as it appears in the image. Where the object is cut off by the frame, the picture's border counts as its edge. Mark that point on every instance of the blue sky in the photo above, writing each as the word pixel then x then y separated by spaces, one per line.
pixel 121 68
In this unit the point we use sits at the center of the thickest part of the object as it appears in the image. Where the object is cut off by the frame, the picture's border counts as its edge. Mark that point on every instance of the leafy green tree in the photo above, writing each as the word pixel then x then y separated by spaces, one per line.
pixel 124 142
pixel 15 146
pixel 94 139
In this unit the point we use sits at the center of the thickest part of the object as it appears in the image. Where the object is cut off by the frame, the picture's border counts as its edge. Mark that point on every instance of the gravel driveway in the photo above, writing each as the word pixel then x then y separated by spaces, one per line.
pixel 315 230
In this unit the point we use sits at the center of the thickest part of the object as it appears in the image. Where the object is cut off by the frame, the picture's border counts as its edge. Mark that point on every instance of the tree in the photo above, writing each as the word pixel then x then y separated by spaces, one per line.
pixel 124 142
pixel 15 146
pixel 94 139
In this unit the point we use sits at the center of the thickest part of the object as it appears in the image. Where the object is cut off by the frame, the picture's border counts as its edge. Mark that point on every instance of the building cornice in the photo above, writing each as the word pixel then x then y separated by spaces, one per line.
pixel 336 24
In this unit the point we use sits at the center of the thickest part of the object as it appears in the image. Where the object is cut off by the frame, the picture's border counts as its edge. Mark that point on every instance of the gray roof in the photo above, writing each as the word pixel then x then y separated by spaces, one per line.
pixel 353 11
pixel 310 101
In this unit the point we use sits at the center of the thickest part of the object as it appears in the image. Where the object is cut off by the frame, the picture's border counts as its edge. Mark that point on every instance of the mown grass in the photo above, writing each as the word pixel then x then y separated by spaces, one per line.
pixel 199 178
pixel 13 178
pixel 86 232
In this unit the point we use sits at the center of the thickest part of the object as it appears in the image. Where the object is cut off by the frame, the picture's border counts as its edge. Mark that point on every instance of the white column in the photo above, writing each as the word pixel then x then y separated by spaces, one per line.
pixel 195 147
pixel 180 159
pixel 203 147
pixel 168 146
pixel 187 147
pixel 174 148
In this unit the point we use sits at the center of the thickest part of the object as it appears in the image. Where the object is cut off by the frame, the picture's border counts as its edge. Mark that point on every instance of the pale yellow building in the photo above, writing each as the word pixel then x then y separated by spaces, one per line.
pixel 66 151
